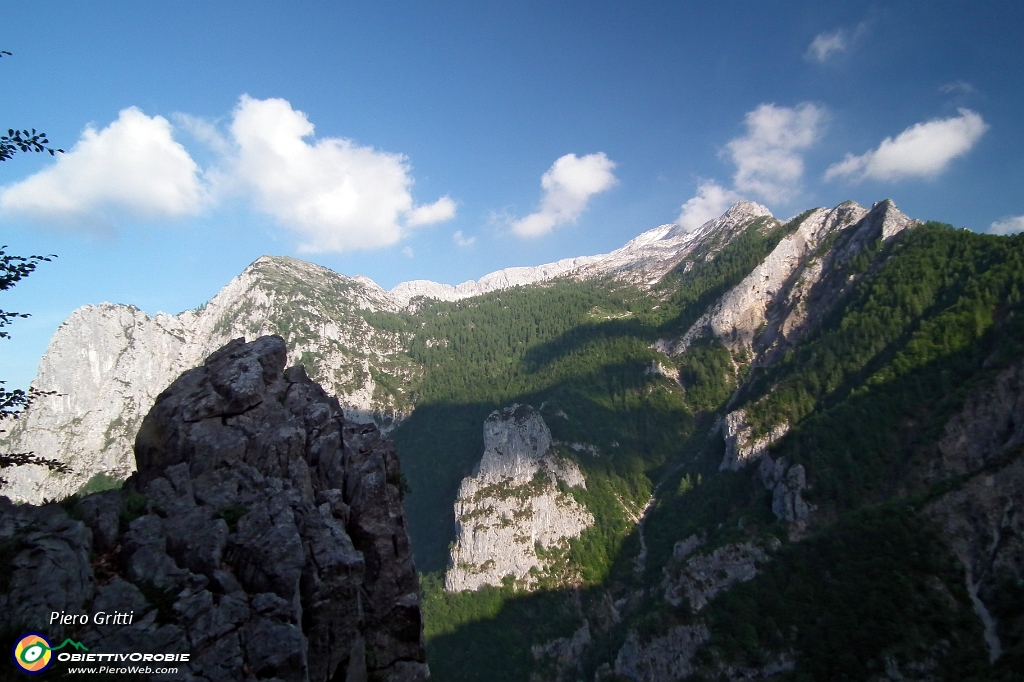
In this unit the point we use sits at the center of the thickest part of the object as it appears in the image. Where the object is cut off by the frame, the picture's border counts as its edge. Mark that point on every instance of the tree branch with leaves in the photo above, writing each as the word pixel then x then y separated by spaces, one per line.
pixel 13 269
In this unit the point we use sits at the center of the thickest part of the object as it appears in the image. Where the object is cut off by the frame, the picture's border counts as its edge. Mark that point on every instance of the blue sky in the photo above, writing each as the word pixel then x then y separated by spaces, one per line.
pixel 454 139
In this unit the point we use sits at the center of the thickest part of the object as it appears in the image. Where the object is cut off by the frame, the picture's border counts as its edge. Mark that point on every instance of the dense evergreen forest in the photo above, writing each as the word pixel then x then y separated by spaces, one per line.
pixel 933 314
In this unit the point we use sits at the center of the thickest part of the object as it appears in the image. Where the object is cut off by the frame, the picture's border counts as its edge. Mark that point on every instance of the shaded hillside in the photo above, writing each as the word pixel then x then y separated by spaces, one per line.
pixel 877 577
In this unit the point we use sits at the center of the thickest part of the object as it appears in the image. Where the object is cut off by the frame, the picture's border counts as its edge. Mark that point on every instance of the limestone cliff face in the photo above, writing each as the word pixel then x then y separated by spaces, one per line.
pixel 107 364
pixel 263 534
pixel 512 518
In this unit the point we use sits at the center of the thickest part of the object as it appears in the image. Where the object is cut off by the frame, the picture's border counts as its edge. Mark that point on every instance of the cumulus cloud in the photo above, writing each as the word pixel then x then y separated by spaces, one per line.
pixel 1011 225
pixel 768 158
pixel 922 150
pixel 335 194
pixel 133 166
pixel 711 201
pixel 441 210
pixel 568 186
pixel 462 240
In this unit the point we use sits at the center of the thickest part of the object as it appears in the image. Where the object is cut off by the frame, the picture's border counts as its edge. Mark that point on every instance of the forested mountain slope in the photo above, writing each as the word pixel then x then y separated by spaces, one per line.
pixel 756 450
pixel 821 502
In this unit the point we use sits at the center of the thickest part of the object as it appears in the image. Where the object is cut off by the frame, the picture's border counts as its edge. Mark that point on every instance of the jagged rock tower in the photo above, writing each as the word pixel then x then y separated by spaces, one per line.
pixel 263 534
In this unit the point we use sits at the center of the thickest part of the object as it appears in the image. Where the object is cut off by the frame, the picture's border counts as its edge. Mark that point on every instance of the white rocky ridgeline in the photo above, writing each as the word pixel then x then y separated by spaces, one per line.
pixel 511 518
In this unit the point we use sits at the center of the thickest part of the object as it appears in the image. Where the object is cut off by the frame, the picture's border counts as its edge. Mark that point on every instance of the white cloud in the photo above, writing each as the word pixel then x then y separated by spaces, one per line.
pixel 568 186
pixel 957 87
pixel 334 194
pixel 825 45
pixel 337 195
pixel 462 240
pixel 441 210
pixel 711 201
pixel 1011 225
pixel 922 150
pixel 133 166
pixel 408 252
pixel 767 158
pixel 830 43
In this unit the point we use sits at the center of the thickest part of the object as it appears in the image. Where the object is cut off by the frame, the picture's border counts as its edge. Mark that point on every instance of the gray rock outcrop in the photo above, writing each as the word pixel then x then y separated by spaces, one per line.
pixel 698 579
pixel 741 447
pixel 668 657
pixel 263 534
pixel 511 517
pixel 787 484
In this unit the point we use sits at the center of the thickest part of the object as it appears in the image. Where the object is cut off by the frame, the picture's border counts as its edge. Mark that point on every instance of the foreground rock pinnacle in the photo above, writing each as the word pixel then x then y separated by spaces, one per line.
pixel 263 534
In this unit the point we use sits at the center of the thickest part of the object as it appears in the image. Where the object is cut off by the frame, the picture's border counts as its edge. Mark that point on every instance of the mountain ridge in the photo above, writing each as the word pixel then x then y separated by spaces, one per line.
pixel 106 380
pixel 750 446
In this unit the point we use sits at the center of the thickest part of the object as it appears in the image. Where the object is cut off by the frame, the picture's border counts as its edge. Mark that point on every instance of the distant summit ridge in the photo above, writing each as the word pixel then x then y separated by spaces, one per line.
pixel 643 260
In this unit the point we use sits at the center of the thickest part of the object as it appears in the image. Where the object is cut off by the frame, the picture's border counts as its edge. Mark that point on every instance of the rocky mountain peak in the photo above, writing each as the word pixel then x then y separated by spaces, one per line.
pixel 740 213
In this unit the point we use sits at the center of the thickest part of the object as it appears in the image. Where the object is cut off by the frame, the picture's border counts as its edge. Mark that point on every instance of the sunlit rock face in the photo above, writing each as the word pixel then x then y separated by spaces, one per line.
pixel 512 515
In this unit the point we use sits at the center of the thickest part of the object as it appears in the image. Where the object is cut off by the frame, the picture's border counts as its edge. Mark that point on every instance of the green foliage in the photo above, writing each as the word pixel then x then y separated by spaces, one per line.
pixel 24 141
pixel 488 634
pixel 99 482
pixel 232 514
pixel 887 370
pixel 876 584
pixel 401 482
pixel 134 506
pixel 936 292
pixel 707 374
